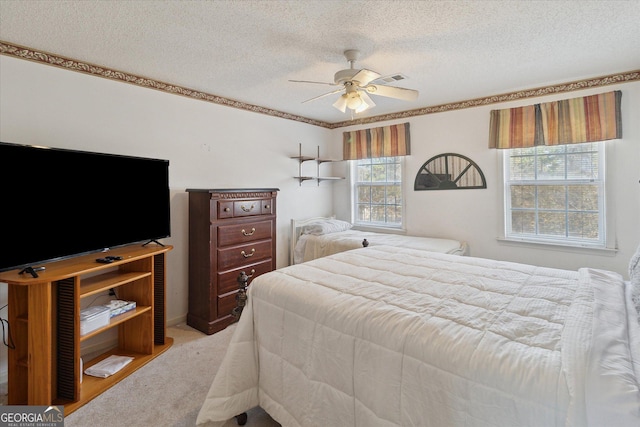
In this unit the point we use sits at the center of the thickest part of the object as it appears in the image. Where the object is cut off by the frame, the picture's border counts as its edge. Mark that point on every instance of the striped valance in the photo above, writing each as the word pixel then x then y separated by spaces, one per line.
pixel 570 121
pixel 385 141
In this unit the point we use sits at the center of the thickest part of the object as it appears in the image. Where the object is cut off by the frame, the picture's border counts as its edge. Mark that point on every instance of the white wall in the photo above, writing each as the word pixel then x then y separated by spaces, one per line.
pixel 475 215
pixel 208 146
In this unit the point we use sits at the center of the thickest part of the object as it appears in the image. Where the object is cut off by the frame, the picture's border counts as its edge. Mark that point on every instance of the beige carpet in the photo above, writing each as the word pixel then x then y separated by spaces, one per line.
pixel 169 390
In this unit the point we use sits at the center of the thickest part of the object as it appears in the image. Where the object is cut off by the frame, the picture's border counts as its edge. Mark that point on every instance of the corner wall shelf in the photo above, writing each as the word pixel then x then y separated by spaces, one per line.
pixel 319 160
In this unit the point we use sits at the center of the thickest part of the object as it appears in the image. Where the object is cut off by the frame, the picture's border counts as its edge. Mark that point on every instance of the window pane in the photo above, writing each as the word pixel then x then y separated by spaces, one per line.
pixel 552 223
pixel 523 222
pixel 583 225
pixel 394 214
pixel 364 194
pixel 377 213
pixel 551 197
pixel 379 173
pixel 523 196
pixel 364 212
pixel 395 173
pixel 582 166
pixel 394 195
pixel 377 194
pixel 583 197
pixel 549 149
pixel 364 173
pixel 523 168
pixel 551 166
pixel 587 147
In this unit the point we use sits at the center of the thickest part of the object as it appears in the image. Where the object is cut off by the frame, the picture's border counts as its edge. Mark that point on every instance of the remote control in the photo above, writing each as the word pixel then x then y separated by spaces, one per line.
pixel 104 260
pixel 114 258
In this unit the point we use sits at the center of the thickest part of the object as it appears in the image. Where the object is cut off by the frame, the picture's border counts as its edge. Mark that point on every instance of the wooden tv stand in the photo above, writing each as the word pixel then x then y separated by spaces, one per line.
pixel 44 317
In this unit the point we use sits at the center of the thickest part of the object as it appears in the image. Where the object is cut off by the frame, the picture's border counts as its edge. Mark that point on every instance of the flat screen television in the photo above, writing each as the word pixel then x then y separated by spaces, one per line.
pixel 59 203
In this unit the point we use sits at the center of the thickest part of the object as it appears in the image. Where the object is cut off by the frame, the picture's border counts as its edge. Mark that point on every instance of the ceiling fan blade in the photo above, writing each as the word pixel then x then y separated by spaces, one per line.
pixel 341 103
pixel 389 79
pixel 365 76
pixel 308 81
pixel 393 92
pixel 323 95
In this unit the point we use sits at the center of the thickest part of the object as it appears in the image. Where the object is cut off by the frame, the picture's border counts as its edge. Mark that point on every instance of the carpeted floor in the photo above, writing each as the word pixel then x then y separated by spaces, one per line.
pixel 169 390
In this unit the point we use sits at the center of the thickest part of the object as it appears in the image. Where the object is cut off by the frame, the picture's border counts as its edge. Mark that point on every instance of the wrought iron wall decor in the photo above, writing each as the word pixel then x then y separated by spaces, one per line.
pixel 449 171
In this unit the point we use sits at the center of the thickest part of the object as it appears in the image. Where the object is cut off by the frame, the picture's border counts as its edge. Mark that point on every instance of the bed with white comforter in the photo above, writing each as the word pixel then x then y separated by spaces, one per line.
pixel 318 237
pixel 388 336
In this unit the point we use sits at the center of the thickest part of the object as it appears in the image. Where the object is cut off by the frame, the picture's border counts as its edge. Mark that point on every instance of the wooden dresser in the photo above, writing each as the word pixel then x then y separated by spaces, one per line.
pixel 230 231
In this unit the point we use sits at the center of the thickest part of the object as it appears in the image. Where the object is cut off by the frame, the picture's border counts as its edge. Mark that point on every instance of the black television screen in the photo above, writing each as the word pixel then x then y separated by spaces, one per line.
pixel 59 203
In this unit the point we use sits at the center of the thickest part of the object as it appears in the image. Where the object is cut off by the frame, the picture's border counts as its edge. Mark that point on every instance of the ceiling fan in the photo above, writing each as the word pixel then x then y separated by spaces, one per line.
pixel 357 84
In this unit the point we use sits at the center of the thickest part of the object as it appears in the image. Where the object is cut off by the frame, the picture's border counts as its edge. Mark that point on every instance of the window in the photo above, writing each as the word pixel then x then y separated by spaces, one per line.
pixel 377 191
pixel 555 194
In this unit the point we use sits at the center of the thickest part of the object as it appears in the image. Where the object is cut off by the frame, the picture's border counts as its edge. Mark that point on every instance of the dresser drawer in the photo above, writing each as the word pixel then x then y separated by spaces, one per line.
pixel 228 281
pixel 266 206
pixel 225 210
pixel 242 233
pixel 242 208
pixel 238 256
pixel 247 207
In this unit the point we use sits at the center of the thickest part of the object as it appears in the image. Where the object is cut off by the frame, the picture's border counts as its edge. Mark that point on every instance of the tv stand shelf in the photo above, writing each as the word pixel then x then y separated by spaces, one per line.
pixel 44 314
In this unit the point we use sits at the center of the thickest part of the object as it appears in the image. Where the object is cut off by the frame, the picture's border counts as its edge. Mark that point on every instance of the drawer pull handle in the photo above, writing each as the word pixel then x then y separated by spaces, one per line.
pixel 253 271
pixel 267 206
pixel 246 255
pixel 247 209
pixel 227 209
pixel 244 232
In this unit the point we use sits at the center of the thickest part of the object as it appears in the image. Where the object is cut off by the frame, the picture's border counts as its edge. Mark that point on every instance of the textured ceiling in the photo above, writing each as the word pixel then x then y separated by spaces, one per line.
pixel 248 51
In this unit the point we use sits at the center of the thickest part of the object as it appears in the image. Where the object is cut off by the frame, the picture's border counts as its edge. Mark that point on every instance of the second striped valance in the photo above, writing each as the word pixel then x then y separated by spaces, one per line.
pixel 385 141
pixel 571 121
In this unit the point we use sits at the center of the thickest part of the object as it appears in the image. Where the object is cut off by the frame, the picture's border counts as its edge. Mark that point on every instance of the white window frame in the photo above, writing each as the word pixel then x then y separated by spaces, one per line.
pixel 606 223
pixel 353 167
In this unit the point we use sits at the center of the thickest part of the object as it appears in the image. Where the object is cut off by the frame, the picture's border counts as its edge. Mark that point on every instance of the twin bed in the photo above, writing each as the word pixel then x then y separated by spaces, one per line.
pixel 321 236
pixel 393 336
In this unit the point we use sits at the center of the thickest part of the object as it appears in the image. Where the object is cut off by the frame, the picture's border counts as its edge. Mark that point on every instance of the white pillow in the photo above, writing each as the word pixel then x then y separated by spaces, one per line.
pixel 326 226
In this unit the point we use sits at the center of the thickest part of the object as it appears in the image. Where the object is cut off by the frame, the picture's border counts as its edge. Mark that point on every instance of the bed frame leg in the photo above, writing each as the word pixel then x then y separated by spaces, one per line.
pixel 241 419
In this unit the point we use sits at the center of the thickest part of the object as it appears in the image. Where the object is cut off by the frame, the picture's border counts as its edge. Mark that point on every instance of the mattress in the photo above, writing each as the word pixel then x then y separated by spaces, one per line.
pixel 389 336
pixel 311 246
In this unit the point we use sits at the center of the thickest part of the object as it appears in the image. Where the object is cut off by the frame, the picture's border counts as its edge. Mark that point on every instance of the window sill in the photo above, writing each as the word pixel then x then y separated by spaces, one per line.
pixel 381 229
pixel 558 246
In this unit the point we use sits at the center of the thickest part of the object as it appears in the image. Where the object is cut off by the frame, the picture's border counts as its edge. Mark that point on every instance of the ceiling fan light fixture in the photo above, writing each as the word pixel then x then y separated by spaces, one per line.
pixel 354 101
pixel 362 108
pixel 341 103
pixel 367 102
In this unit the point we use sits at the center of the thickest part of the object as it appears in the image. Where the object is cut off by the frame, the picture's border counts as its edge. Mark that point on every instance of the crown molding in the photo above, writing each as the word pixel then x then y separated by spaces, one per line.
pixel 47 58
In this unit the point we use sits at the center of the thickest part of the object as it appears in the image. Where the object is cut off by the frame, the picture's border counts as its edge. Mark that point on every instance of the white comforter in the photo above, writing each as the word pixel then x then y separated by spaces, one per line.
pixel 386 336
pixel 310 246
